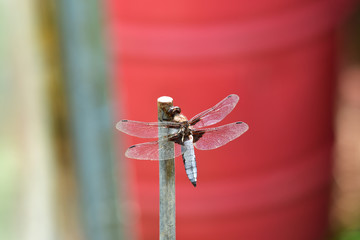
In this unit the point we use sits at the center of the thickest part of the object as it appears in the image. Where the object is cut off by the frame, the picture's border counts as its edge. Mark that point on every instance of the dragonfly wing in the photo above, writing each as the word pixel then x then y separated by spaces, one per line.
pixel 144 129
pixel 216 113
pixel 150 151
pixel 212 138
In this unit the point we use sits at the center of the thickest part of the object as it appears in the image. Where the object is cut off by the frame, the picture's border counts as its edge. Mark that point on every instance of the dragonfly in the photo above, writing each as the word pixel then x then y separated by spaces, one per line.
pixel 184 134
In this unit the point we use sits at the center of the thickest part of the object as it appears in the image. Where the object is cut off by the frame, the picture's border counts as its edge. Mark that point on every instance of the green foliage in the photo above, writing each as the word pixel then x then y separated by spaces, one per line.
pixel 349 235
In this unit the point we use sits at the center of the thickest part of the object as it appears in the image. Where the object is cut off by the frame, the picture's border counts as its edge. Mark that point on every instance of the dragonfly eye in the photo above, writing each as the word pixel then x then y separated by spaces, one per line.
pixel 174 111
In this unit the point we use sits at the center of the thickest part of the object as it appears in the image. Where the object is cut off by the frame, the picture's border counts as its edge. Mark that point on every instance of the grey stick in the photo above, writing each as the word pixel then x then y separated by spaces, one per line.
pixel 166 175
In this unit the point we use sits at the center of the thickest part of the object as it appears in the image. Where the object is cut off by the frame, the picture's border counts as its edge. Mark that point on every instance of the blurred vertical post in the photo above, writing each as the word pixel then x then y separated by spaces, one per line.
pixel 166 176
pixel 345 213
pixel 91 121
pixel 26 154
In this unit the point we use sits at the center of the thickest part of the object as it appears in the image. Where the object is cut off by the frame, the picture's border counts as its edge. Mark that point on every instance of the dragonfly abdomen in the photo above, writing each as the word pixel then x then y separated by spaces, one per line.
pixel 188 154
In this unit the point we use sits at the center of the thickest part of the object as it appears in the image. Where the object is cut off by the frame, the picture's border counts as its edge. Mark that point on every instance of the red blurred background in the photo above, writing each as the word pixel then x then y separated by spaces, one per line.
pixel 279 56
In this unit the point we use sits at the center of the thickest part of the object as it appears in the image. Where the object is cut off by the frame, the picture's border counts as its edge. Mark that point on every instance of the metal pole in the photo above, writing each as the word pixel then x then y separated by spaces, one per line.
pixel 166 175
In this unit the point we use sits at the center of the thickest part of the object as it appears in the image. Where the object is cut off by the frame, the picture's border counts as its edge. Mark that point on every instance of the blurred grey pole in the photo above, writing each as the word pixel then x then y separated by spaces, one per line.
pixel 87 84
pixel 166 176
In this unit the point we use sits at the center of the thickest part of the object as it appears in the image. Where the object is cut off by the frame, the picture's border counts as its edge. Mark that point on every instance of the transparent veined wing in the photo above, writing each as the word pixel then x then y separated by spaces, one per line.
pixel 216 137
pixel 216 113
pixel 144 129
pixel 150 151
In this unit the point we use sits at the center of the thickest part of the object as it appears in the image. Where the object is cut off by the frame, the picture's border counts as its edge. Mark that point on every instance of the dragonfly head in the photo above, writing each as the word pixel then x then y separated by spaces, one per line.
pixel 174 111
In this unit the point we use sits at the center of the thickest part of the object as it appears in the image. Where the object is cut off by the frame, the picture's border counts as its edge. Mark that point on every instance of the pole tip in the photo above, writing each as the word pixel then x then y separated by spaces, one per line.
pixel 165 99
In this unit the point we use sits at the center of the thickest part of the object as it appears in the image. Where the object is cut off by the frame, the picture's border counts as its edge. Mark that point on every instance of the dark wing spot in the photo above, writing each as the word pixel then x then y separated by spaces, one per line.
pixel 132 146
pixel 197 134
pixel 239 122
pixel 124 120
pixel 176 139
pixel 173 126
pixel 193 122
